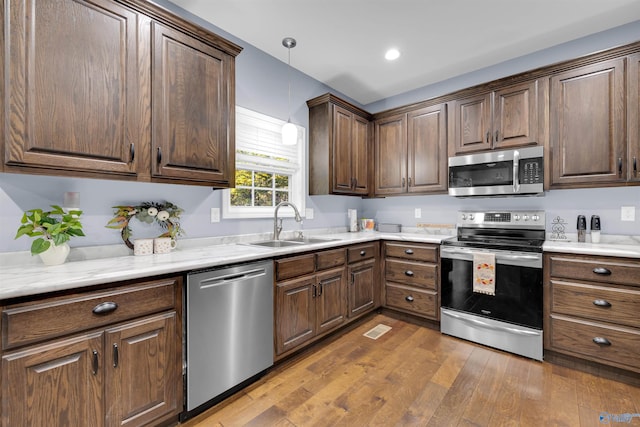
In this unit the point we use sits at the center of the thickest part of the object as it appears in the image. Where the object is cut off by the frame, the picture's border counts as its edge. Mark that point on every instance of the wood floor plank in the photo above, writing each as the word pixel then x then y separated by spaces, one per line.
pixel 414 376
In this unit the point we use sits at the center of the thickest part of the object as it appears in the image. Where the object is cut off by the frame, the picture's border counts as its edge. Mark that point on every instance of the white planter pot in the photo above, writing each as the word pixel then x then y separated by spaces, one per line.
pixel 55 255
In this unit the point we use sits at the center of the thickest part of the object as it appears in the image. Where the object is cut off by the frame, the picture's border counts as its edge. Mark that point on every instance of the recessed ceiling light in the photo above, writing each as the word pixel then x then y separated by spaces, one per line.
pixel 392 54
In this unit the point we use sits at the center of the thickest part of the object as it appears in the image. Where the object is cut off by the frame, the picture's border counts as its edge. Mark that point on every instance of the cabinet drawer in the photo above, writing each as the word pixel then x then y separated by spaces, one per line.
pixel 608 304
pixel 407 298
pixel 414 252
pixel 295 266
pixel 411 273
pixel 578 337
pixel 330 259
pixel 596 269
pixel 362 252
pixel 39 320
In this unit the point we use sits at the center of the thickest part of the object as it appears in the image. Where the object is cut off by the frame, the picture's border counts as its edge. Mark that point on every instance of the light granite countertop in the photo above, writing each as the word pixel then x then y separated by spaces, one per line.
pixel 23 275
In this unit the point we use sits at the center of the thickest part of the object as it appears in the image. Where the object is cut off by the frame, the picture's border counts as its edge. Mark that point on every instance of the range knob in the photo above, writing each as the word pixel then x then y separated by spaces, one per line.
pixel 535 217
pixel 471 217
pixel 463 216
pixel 525 217
pixel 516 217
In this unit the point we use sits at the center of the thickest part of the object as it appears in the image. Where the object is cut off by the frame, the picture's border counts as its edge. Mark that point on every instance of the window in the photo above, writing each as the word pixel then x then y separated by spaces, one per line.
pixel 267 172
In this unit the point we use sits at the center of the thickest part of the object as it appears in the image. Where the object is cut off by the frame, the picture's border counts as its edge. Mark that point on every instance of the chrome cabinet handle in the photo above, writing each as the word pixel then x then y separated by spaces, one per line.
pixel 94 363
pixel 601 341
pixel 403 182
pixel 635 167
pixel 496 137
pixel 363 253
pixel 132 152
pixel 409 273
pixel 602 271
pixel 601 303
pixel 105 308
pixel 408 251
pixel 620 166
pixel 488 136
pixel 409 298
pixel 159 155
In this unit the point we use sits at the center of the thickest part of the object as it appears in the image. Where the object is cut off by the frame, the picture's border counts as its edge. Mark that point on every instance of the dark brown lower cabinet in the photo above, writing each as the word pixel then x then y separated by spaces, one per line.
pixel 126 373
pixel 318 292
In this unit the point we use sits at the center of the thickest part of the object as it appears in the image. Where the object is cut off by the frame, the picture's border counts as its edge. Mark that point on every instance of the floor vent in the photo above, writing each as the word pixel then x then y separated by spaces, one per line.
pixel 377 332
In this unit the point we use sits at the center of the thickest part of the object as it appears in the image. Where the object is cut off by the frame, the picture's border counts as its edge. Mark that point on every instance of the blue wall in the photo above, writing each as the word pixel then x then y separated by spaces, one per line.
pixel 261 85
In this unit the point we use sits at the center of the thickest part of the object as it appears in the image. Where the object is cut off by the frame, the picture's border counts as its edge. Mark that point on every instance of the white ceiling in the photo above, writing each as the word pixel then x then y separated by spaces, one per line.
pixel 342 42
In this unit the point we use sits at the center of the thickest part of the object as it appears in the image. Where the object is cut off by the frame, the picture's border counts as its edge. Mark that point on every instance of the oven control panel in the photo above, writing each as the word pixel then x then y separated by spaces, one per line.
pixel 501 219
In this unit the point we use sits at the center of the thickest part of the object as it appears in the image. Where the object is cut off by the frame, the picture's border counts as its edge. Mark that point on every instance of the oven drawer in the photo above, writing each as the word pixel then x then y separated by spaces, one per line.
pixel 608 304
pixel 411 273
pixel 595 269
pixel 419 301
pixel 619 345
pixel 412 252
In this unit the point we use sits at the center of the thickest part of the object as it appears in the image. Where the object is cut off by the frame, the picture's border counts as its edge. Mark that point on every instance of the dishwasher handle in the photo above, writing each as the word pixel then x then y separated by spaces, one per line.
pixel 233 277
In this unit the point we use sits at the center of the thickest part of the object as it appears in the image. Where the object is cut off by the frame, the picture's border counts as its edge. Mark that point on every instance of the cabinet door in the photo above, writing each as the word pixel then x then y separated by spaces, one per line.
pixel 55 384
pixel 193 105
pixel 342 150
pixel 362 287
pixel 143 371
pixel 360 155
pixel 515 115
pixel 587 134
pixel 331 307
pixel 391 155
pixel 295 313
pixel 71 88
pixel 634 118
pixel 427 149
pixel 472 124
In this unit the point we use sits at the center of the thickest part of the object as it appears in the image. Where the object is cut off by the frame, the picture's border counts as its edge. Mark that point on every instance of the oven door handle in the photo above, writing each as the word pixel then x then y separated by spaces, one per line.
pixel 516 175
pixel 466 254
pixel 485 325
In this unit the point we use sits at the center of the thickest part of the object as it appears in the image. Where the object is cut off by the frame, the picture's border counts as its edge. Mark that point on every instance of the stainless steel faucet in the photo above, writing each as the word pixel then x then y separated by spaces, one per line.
pixel 277 223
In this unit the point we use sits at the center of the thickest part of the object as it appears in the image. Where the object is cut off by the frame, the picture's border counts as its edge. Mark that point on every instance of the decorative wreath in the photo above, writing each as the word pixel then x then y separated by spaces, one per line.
pixel 166 214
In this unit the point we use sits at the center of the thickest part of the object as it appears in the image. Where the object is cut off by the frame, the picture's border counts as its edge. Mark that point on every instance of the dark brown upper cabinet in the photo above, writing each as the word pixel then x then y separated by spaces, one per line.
pixel 504 118
pixel 411 152
pixel 587 125
pixel 339 147
pixel 71 87
pixel 118 90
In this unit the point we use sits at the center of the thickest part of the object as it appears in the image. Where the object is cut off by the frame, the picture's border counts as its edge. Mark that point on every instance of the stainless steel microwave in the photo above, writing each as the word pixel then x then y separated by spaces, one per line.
pixel 516 172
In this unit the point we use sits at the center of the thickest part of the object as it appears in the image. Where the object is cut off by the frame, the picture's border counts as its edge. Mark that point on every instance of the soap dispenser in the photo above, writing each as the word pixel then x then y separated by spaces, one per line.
pixel 582 228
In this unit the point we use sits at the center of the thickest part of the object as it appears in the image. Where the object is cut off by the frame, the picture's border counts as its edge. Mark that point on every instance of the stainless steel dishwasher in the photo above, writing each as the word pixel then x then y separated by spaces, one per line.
pixel 229 328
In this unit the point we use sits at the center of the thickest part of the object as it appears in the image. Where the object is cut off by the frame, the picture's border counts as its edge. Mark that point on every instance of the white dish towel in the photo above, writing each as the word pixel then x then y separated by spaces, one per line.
pixel 484 273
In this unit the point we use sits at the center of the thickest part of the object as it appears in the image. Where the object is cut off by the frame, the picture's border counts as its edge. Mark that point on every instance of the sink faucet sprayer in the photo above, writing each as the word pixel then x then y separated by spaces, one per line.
pixel 277 223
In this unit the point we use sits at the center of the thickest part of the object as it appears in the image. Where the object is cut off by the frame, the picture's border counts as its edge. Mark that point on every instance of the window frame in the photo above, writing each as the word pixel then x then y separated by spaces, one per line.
pixel 297 182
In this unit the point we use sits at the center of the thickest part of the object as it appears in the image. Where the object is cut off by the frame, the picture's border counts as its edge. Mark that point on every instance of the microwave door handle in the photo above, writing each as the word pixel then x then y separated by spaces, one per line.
pixel 516 166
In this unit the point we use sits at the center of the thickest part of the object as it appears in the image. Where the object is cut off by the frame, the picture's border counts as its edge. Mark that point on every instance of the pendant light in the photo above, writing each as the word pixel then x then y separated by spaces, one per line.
pixel 289 130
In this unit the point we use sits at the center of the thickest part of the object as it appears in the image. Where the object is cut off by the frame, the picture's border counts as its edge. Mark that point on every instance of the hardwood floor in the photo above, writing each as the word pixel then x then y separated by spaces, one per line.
pixel 415 376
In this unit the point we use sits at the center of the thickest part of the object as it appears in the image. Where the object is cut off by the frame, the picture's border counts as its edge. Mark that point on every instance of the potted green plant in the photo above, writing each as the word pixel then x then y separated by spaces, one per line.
pixel 53 230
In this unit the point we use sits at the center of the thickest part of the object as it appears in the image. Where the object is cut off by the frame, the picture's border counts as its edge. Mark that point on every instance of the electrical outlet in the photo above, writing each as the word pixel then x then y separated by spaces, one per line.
pixel 215 215
pixel 628 213
pixel 308 213
pixel 418 213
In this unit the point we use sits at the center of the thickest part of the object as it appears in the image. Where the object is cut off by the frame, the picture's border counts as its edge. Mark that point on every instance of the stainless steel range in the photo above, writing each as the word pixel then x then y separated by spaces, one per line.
pixel 491 280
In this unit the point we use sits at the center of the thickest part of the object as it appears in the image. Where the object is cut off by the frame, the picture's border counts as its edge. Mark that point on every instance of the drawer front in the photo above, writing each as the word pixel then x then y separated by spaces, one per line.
pixel 412 252
pixel 362 252
pixel 610 304
pixel 330 259
pixel 595 269
pixel 578 337
pixel 32 322
pixel 418 301
pixel 295 266
pixel 412 273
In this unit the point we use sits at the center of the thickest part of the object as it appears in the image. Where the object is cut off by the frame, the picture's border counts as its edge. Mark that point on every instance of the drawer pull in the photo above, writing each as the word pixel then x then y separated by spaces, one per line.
pixel 116 355
pixel 363 253
pixel 105 308
pixel 409 273
pixel 94 363
pixel 408 251
pixel 601 303
pixel 602 271
pixel 602 341
pixel 409 298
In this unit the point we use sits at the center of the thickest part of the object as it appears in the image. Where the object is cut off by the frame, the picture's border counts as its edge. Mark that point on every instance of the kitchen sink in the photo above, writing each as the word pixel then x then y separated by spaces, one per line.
pixel 298 241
